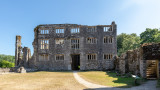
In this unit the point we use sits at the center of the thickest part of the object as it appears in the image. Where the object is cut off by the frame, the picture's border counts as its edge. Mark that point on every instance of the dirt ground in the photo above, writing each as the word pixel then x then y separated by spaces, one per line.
pixel 40 81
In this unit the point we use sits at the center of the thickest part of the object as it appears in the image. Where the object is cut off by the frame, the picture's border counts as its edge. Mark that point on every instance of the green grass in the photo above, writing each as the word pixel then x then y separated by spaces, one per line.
pixel 108 79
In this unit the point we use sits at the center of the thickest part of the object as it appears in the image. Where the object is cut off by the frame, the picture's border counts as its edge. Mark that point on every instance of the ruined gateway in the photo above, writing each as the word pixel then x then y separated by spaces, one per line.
pixel 70 47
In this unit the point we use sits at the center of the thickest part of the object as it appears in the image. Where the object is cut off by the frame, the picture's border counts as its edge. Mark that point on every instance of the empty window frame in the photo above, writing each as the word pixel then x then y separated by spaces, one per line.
pixel 108 39
pixel 91 40
pixel 110 29
pixel 60 30
pixel 44 57
pixel 59 41
pixel 92 29
pixel 108 56
pixel 105 39
pixel 59 57
pixel 75 43
pixel 92 57
pixel 105 29
pixel 75 30
pixel 44 44
pixel 44 31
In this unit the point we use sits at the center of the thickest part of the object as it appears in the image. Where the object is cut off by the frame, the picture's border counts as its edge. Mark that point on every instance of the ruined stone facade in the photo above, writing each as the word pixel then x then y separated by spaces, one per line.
pixel 73 47
pixel 22 55
pixel 143 61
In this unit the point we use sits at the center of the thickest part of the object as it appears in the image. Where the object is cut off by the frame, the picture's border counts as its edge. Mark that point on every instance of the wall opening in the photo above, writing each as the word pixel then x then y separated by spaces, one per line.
pixel 75 61
pixel 152 70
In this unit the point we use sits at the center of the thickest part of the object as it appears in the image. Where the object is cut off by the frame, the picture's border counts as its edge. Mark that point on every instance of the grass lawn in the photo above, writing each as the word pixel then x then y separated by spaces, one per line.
pixel 40 81
pixel 107 78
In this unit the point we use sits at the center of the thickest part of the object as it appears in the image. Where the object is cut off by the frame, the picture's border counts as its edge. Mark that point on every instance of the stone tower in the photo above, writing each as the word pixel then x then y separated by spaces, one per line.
pixel 18 51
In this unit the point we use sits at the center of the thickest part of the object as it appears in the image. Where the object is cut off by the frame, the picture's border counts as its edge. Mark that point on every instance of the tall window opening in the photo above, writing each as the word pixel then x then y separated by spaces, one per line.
pixel 91 40
pixel 108 56
pixel 44 44
pixel 60 30
pixel 108 40
pixel 105 40
pixel 105 29
pixel 44 31
pixel 59 57
pixel 75 30
pixel 75 43
pixel 91 56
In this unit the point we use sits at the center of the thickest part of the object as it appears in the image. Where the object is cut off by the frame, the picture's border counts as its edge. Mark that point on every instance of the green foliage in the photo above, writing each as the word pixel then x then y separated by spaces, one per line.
pixel 150 35
pixel 127 42
pixel 7 58
pixel 6 64
pixel 7 61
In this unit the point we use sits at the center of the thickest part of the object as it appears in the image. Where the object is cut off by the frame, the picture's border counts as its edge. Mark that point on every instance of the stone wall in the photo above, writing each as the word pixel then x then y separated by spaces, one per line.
pixel 136 61
pixel 99 48
pixel 26 56
pixel 4 70
pixel 22 55
pixel 130 62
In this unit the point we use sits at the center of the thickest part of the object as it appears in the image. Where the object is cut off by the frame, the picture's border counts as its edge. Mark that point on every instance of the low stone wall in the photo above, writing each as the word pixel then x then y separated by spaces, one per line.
pixel 130 62
pixel 4 70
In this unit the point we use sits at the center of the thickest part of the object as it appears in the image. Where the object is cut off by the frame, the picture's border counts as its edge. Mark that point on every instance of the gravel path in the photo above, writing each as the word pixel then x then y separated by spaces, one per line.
pixel 150 85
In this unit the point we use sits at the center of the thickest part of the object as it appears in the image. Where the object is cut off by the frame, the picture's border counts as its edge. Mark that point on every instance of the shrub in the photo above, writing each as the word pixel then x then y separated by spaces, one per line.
pixel 6 64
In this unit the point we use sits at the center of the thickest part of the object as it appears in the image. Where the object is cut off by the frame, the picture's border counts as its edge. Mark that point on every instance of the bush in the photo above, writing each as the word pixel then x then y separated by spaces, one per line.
pixel 6 64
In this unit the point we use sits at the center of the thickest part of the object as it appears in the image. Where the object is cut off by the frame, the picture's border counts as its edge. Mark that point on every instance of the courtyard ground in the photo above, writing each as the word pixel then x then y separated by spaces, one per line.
pixel 107 79
pixel 148 85
pixel 95 80
pixel 40 81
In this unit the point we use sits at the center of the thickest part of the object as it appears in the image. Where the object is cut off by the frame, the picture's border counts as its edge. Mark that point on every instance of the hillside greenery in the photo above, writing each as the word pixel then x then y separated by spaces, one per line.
pixel 7 61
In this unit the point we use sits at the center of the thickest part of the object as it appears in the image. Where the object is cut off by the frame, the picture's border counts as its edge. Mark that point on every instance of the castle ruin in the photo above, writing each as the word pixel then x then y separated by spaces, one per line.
pixel 70 47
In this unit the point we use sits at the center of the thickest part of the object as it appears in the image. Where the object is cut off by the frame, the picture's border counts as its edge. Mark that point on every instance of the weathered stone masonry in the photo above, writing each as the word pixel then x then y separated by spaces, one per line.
pixel 57 46
pixel 143 61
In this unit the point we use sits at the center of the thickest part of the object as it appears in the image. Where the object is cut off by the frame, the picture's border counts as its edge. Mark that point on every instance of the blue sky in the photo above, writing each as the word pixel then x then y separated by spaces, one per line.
pixel 20 17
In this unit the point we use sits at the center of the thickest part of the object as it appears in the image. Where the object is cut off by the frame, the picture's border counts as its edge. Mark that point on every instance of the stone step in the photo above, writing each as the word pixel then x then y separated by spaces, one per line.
pixel 150 70
pixel 151 73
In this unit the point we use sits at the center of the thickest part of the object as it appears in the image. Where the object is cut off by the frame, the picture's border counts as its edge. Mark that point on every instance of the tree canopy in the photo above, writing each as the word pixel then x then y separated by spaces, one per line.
pixel 132 41
pixel 150 35
pixel 6 64
pixel 7 61
pixel 127 42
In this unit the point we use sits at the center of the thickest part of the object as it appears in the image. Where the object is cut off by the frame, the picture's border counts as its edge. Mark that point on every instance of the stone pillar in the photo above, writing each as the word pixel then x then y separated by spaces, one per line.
pixel 143 68
pixel 18 50
pixel 122 67
pixel 26 56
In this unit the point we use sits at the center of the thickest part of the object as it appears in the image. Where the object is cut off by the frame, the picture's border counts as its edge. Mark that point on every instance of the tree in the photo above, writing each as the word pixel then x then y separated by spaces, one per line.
pixel 127 42
pixel 150 35
pixel 6 64
pixel 7 58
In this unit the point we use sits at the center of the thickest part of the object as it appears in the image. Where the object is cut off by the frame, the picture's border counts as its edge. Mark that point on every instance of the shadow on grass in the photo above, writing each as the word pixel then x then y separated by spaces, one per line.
pixel 125 79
